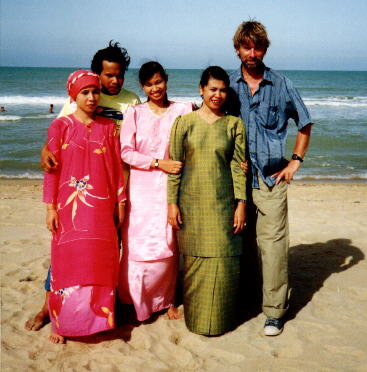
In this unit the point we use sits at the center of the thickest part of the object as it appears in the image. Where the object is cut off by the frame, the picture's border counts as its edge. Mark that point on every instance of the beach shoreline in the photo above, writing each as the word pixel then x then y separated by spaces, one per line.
pixel 327 322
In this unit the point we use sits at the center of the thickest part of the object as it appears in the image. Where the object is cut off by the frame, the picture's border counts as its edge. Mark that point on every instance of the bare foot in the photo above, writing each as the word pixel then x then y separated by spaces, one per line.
pixel 173 313
pixel 56 339
pixel 40 319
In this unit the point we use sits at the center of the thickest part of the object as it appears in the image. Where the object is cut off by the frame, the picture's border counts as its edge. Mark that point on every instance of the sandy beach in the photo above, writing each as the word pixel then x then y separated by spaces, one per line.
pixel 326 328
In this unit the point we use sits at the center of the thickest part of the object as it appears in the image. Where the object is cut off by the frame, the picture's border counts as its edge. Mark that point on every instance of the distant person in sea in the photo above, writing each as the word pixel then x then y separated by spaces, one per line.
pixel 110 64
pixel 267 100
pixel 51 109
pixel 82 197
pixel 149 262
pixel 2 109
pixel 207 206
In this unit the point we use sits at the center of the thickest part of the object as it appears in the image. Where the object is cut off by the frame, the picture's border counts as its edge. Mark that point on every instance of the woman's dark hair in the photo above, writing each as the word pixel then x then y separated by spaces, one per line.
pixel 113 53
pixel 214 72
pixel 148 69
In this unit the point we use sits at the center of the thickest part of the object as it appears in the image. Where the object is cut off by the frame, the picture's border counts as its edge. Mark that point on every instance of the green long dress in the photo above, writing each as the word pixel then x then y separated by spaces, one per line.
pixel 206 192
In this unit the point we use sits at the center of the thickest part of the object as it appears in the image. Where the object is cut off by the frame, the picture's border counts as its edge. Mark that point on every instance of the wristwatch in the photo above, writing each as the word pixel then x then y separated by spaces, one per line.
pixel 296 157
pixel 156 163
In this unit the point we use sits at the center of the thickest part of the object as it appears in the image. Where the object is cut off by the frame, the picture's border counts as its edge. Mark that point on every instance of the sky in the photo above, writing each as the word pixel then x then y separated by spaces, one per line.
pixel 305 35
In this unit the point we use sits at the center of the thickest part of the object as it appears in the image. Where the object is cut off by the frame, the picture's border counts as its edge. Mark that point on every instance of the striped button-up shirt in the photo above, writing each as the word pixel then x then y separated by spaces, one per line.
pixel 266 116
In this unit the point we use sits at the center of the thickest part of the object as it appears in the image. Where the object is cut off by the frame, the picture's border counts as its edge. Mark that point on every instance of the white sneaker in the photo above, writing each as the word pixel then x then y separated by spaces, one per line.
pixel 273 327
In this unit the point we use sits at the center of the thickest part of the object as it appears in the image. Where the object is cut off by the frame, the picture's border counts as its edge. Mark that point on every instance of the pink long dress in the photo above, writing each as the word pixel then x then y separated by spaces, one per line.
pixel 84 250
pixel 149 263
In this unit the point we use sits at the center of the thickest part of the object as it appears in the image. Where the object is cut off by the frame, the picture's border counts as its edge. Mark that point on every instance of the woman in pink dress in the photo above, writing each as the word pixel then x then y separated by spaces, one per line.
pixel 149 263
pixel 82 197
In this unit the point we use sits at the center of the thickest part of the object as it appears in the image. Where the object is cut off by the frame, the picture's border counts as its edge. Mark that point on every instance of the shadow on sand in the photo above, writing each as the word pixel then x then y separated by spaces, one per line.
pixel 311 264
pixel 309 267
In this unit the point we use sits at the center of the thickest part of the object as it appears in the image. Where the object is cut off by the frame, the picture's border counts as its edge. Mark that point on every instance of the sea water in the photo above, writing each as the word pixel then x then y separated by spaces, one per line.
pixel 337 101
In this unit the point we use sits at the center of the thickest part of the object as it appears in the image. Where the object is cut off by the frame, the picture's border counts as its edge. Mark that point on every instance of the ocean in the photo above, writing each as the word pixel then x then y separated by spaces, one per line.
pixel 337 101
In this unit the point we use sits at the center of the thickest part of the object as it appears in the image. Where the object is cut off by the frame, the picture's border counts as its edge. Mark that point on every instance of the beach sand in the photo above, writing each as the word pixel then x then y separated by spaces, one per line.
pixel 327 321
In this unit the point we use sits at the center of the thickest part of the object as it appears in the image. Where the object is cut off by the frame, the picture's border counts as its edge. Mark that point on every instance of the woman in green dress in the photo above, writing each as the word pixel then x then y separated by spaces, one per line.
pixel 206 204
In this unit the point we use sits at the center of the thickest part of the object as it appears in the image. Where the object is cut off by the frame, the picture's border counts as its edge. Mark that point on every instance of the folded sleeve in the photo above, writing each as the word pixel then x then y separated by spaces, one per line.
pixel 296 108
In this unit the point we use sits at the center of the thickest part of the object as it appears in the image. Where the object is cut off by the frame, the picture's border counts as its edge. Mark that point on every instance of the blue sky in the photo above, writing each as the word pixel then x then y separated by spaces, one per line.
pixel 313 34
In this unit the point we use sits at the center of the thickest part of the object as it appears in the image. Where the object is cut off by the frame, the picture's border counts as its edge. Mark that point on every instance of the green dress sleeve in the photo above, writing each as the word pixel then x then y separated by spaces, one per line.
pixel 239 178
pixel 176 152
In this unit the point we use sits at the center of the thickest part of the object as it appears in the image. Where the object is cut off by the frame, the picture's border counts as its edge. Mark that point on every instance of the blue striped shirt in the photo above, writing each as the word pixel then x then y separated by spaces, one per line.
pixel 266 116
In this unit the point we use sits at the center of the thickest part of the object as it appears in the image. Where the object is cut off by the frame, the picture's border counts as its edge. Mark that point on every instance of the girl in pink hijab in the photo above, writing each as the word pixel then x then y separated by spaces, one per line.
pixel 83 197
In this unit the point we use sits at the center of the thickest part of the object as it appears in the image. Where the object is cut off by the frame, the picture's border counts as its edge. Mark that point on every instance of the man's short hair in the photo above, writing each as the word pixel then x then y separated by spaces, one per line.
pixel 113 53
pixel 251 31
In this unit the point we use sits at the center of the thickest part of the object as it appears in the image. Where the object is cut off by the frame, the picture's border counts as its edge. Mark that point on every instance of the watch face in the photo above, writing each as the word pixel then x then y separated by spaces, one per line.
pixel 296 157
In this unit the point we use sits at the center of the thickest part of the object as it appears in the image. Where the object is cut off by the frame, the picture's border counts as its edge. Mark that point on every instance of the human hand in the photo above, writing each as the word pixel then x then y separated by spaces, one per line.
pixel 239 220
pixel 244 166
pixel 170 166
pixel 48 160
pixel 52 220
pixel 288 172
pixel 174 216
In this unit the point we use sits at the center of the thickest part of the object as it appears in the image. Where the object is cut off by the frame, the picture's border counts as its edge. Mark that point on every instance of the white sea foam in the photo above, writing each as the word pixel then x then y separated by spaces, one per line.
pixel 31 100
pixel 320 101
pixel 337 101
pixel 10 118
pixel 346 177
pixel 25 175
pixel 31 117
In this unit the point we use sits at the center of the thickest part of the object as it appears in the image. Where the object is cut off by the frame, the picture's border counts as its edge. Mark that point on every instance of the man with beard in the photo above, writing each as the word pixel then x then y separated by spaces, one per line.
pixel 110 64
pixel 267 100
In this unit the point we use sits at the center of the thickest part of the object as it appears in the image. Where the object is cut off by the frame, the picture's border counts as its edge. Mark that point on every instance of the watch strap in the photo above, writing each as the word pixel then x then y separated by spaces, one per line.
pixel 296 157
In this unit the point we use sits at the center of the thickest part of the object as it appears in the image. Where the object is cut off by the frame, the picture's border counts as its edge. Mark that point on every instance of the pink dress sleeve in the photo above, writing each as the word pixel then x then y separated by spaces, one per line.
pixel 129 154
pixel 51 179
pixel 119 176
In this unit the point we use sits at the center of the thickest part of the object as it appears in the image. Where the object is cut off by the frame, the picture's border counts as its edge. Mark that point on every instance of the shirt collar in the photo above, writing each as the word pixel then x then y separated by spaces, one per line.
pixel 268 75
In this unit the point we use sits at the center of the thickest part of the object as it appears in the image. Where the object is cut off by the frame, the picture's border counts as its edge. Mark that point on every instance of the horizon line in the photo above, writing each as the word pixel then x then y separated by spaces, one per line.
pixel 190 68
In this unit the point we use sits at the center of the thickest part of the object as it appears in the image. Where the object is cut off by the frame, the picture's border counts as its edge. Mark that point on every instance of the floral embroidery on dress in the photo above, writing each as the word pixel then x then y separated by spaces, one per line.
pixel 101 150
pixel 100 303
pixel 100 143
pixel 66 292
pixel 57 301
pixel 82 186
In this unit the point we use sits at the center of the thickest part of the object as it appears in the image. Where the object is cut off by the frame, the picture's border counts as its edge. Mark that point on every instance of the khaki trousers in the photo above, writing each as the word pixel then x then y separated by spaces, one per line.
pixel 273 240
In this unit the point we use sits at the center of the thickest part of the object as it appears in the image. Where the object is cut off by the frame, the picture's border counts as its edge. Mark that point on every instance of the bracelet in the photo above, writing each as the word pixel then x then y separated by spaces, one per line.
pixel 241 201
pixel 156 163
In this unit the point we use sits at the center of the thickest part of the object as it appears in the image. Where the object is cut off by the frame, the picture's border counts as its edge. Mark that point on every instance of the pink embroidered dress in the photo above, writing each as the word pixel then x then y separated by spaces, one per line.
pixel 149 261
pixel 84 250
